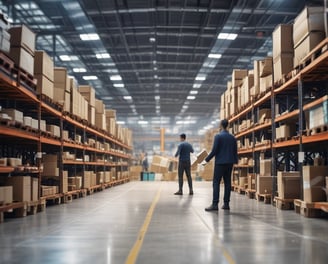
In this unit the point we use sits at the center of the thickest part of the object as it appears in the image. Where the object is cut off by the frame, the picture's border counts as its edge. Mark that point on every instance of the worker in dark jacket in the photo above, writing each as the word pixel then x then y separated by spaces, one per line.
pixel 184 150
pixel 225 152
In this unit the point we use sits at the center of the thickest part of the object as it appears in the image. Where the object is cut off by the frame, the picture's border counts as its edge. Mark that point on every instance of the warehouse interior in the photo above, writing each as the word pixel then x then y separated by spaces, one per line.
pixel 90 89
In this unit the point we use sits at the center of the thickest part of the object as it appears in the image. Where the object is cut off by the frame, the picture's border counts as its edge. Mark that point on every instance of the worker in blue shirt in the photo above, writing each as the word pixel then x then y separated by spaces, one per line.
pixel 184 150
pixel 225 151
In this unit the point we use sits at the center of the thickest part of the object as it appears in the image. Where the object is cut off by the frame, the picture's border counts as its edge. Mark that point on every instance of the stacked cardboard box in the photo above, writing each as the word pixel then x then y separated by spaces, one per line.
pixel 308 32
pixel 62 93
pixel 22 47
pixel 237 80
pixel 54 130
pixel 265 167
pixel 264 184
pixel 251 181
pixel 255 90
pixel 265 74
pixel 289 185
pixel 6 194
pixel 22 187
pixel 48 190
pixel 159 164
pixel 4 34
pixel 50 165
pixel 313 183
pixel 79 105
pixel 14 114
pixel 100 117
pixel 248 83
pixel 318 115
pixel 34 189
pixel 286 131
pixel 283 51
pixel 89 94
pixel 44 73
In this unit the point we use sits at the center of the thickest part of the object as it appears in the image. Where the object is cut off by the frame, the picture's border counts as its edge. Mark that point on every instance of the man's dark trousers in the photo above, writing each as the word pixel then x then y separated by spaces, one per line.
pixel 222 171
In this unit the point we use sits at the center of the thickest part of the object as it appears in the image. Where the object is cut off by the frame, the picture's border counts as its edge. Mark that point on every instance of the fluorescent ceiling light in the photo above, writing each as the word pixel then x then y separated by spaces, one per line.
pixel 142 122
pixel 107 98
pixel 157 97
pixel 127 97
pixel 191 97
pixel 155 68
pixel 229 36
pixel 158 107
pixel 92 36
pixel 79 70
pixel 119 85
pixel 193 92
pixel 90 77
pixel 200 78
pixel 156 76
pixel 157 111
pixel 157 85
pixel 120 122
pixel 115 78
pixel 68 58
pixel 185 106
pixel 196 85
pixel 152 39
pixel 102 55
pixel 214 55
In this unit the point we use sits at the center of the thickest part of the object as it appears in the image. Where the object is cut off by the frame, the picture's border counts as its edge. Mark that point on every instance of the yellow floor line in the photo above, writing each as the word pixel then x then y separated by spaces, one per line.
pixel 225 252
pixel 134 252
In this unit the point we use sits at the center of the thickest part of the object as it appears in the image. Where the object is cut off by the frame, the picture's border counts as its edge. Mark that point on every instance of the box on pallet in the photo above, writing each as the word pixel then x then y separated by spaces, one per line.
pixel 313 183
pixel 265 167
pixel 311 19
pixel 14 114
pixel 34 189
pixel 265 67
pixel 6 194
pixel 100 107
pixel 88 92
pixel 22 36
pixel 43 65
pixel 251 181
pixel 282 41
pixel 264 184
pixel 282 65
pixel 44 86
pixel 289 185
pixel 50 165
pixel 21 187
pixel 23 59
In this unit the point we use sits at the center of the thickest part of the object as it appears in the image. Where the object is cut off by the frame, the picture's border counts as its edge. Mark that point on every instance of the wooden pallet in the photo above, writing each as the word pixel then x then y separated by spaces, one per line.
pixel 283 139
pixel 24 78
pixel 311 210
pixel 266 198
pixel 284 204
pixel 241 190
pixel 15 209
pixel 49 101
pixel 6 64
pixel 317 130
pixel 250 193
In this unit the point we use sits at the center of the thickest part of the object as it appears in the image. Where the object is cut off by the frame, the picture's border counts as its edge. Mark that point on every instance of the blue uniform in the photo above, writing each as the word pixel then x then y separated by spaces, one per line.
pixel 225 152
pixel 184 150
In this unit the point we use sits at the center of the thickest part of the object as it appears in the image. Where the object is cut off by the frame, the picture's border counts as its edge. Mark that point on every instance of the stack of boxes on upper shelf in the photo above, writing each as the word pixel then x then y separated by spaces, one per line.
pixel 4 34
pixel 57 86
pixel 291 44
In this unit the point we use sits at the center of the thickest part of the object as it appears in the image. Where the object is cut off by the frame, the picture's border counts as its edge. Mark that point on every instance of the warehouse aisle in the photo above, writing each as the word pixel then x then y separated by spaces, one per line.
pixel 108 226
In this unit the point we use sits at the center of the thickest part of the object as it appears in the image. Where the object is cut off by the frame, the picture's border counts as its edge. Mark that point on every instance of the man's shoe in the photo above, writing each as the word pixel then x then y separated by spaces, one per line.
pixel 211 208
pixel 178 193
pixel 191 193
pixel 225 207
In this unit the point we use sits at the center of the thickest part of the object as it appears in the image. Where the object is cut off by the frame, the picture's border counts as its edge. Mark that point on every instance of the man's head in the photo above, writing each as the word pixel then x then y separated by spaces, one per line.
pixel 224 123
pixel 183 137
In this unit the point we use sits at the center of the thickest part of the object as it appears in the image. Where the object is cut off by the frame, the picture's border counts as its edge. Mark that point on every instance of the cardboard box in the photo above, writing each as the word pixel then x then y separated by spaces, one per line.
pixel 44 86
pixel 61 79
pixel 313 183
pixel 251 181
pixel 92 115
pixel 35 189
pixel 265 167
pixel 265 83
pixel 282 65
pixel 14 162
pixel 309 20
pixel 53 129
pixel 23 59
pixel 264 113
pixel 265 67
pixel 89 93
pixel 22 36
pixel 289 185
pixel 4 40
pixel 27 121
pixel 50 165
pixel 43 65
pixel 110 113
pixel 243 181
pixel 264 184
pixel 14 114
pixel 100 177
pixel 100 107
pixel 21 187
pixel 100 121
pixel 87 179
pixel 282 40
pixel 3 162
pixel 6 194
pixel 306 45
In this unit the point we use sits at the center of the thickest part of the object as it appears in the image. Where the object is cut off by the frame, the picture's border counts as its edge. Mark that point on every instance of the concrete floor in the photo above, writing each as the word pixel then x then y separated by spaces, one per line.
pixel 102 228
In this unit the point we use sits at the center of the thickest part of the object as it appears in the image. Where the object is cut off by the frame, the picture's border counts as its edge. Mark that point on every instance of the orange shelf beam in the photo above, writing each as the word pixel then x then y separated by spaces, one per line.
pixel 6 169
pixel 13 132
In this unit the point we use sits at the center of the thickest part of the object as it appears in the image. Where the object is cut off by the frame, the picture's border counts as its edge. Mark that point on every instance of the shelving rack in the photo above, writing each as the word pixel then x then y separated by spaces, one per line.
pixel 306 88
pixel 18 140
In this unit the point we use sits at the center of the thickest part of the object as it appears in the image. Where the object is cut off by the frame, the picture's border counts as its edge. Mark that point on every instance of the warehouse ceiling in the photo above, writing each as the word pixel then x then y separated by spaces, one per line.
pixel 159 63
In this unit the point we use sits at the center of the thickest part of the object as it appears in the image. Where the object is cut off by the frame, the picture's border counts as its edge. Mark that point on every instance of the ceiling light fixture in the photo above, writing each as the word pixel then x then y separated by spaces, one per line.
pixel 214 55
pixel 102 55
pixel 119 85
pixel 196 85
pixel 79 70
pixel 229 36
pixel 157 97
pixel 127 97
pixel 90 36
pixel 200 78
pixel 193 92
pixel 90 77
pixel 142 122
pixel 191 97
pixel 115 78
pixel 68 58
